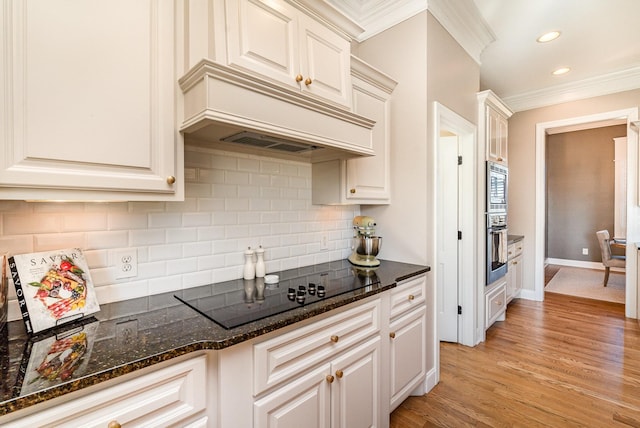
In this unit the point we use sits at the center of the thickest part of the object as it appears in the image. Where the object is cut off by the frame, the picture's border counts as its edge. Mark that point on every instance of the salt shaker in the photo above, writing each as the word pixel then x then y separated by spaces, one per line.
pixel 249 267
pixel 260 269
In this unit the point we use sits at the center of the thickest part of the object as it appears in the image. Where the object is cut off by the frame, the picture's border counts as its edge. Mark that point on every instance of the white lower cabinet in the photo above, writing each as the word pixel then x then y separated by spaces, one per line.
pixel 496 302
pixel 167 397
pixel 514 270
pixel 408 354
pixel 341 393
pixel 408 339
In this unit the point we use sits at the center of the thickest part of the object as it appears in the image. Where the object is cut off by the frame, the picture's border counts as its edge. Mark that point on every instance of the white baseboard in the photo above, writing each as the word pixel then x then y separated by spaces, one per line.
pixel 579 264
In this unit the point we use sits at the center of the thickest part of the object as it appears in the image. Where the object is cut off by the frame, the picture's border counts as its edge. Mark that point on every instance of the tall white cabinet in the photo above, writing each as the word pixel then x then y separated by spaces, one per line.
pixel 88 101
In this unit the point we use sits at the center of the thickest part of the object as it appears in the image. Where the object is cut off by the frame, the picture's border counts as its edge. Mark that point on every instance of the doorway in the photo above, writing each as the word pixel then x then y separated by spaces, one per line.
pixel 456 226
pixel 633 212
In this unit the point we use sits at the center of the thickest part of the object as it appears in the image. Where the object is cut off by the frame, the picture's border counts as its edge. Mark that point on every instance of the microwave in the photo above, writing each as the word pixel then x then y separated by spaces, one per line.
pixel 497 180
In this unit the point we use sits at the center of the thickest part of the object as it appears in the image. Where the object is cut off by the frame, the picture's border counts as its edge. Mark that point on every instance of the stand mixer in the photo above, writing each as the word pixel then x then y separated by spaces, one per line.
pixel 365 245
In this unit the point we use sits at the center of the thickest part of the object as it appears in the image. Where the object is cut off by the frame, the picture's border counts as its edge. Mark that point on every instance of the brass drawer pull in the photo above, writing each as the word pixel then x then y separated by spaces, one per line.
pixel 330 378
pixel 339 374
pixel 335 339
pixel 392 335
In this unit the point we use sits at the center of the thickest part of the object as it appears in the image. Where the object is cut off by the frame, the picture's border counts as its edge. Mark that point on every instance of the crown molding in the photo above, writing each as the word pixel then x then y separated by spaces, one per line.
pixel 375 16
pixel 465 23
pixel 605 84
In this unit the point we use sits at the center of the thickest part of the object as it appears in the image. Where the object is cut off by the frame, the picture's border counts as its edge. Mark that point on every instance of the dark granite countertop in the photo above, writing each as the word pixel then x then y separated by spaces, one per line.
pixel 514 238
pixel 133 334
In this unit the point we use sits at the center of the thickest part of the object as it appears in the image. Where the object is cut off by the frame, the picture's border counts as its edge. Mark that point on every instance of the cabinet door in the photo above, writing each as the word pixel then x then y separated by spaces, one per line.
pixel 89 98
pixel 279 42
pixel 369 178
pixel 502 138
pixel 263 37
pixel 517 275
pixel 355 391
pixel 303 402
pixel 325 59
pixel 509 277
pixel 408 335
pixel 493 149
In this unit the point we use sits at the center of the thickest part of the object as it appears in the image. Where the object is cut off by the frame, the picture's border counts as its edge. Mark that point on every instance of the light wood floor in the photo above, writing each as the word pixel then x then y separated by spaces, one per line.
pixel 564 362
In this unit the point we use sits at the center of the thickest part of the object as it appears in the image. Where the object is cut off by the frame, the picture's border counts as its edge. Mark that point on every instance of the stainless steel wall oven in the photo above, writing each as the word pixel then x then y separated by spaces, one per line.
pixel 497 180
pixel 496 246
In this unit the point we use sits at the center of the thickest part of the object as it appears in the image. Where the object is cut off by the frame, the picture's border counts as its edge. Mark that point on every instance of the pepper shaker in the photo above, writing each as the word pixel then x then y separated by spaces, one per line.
pixel 260 268
pixel 249 267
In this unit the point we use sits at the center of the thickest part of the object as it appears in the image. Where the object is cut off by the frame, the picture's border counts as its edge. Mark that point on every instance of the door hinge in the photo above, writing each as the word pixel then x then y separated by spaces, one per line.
pixel 459 235
pixel 459 310
pixel 459 160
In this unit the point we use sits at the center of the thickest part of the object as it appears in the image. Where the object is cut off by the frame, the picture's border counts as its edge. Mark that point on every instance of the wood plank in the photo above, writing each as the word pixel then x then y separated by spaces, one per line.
pixel 564 362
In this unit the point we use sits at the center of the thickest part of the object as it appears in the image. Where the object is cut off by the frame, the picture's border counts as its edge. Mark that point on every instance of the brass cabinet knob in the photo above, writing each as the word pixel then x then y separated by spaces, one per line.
pixel 299 78
pixel 335 339
pixel 411 297
pixel 114 424
pixel 500 159
pixel 339 374
pixel 308 81
pixel 515 263
pixel 171 179
pixel 329 378
pixel 499 302
pixel 392 335
pixel 352 191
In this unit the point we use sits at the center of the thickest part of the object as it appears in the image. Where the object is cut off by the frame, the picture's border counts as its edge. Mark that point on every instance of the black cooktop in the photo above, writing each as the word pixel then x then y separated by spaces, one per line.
pixel 251 300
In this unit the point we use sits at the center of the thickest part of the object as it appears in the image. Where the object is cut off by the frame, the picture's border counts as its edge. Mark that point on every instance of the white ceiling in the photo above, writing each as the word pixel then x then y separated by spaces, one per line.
pixel 600 42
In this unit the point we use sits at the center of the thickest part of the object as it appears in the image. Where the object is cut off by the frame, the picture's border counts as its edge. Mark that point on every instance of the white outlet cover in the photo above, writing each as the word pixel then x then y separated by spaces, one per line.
pixel 126 263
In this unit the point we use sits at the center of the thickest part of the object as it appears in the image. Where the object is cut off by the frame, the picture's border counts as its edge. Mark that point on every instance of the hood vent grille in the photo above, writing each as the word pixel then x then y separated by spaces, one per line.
pixel 268 142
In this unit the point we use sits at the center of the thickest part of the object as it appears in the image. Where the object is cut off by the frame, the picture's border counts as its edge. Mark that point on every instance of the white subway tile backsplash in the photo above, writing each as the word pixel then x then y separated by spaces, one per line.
pixel 142 238
pixel 182 265
pixel 232 201
pixel 193 249
pixel 183 234
pixel 250 165
pixel 115 239
pixel 123 221
pixel 20 224
pixel 53 241
pixel 164 220
pixel 165 252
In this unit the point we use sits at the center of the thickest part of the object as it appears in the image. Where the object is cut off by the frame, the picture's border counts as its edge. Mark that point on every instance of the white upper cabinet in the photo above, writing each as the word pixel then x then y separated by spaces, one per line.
pixel 88 101
pixel 493 126
pixel 277 40
pixel 363 180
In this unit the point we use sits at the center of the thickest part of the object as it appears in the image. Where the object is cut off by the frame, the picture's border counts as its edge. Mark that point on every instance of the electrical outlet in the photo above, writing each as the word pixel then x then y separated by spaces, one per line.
pixel 126 263
pixel 324 242
pixel 585 251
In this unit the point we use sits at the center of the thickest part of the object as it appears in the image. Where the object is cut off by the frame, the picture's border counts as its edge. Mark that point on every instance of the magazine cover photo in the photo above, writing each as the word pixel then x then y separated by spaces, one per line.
pixel 53 288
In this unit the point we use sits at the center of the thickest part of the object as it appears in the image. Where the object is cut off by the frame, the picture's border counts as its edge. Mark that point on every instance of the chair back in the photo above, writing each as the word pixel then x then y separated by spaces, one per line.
pixel 605 249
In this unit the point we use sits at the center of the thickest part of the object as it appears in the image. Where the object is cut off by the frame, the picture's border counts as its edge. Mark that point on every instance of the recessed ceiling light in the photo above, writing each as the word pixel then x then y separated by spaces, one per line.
pixel 547 37
pixel 561 70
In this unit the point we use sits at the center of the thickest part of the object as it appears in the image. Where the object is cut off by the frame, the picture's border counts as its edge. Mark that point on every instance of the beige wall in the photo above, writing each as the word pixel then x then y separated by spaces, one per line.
pixel 406 51
pixel 522 164
pixel 580 190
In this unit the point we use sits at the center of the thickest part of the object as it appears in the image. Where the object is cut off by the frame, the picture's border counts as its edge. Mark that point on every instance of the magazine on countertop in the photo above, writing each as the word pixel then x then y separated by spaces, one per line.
pixel 52 288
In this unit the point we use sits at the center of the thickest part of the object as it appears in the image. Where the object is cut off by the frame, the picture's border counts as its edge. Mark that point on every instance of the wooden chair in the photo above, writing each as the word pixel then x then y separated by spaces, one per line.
pixel 609 260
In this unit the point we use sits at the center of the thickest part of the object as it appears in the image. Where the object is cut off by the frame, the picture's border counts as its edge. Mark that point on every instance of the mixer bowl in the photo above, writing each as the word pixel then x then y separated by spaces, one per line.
pixel 367 247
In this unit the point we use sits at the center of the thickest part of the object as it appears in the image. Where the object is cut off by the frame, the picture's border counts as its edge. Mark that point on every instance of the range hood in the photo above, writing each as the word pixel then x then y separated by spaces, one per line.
pixel 231 109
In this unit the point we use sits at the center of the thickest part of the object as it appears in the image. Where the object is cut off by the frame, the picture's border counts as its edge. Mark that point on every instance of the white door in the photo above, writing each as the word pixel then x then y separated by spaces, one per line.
pixel 448 242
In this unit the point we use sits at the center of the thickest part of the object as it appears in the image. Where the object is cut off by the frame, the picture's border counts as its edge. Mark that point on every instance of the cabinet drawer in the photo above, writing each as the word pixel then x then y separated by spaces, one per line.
pixel 496 303
pixel 515 249
pixel 283 357
pixel 408 295
pixel 161 398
